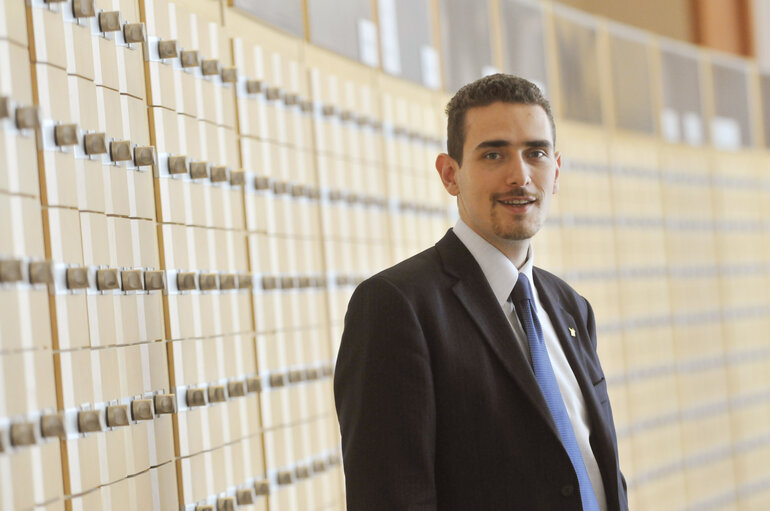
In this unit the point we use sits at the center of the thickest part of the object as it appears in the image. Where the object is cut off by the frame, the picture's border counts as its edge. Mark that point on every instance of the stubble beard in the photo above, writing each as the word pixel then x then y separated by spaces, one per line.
pixel 516 227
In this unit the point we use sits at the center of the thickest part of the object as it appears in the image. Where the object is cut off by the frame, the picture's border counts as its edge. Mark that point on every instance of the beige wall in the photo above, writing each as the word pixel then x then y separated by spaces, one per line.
pixel 761 15
pixel 671 18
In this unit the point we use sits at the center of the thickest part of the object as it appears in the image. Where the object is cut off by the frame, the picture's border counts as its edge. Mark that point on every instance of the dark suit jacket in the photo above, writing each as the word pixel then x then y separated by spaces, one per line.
pixel 439 409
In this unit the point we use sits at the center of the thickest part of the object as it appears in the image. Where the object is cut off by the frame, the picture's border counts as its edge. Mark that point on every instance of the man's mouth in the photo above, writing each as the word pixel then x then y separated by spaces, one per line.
pixel 518 201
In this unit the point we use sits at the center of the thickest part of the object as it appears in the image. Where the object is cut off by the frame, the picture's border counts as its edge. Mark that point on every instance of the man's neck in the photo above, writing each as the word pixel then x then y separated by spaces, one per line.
pixel 515 250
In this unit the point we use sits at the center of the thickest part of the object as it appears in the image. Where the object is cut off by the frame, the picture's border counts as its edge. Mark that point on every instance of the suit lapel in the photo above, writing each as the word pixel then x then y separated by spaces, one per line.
pixel 564 324
pixel 474 293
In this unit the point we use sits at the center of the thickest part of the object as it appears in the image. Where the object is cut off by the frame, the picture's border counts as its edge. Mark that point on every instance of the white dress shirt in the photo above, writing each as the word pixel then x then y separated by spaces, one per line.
pixel 502 275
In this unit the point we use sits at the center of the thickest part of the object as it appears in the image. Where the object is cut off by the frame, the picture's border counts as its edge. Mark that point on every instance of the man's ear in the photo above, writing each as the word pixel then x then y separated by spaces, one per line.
pixel 557 157
pixel 447 169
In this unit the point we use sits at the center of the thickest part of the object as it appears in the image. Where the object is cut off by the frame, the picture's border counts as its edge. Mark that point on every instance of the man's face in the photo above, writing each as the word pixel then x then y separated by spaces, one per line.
pixel 509 172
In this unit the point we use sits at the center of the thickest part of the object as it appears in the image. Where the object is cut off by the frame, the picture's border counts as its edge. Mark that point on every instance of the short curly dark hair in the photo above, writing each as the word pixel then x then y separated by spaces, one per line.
pixel 483 92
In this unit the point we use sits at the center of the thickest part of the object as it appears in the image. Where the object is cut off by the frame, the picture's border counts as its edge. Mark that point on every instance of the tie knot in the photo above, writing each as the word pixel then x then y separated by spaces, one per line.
pixel 521 291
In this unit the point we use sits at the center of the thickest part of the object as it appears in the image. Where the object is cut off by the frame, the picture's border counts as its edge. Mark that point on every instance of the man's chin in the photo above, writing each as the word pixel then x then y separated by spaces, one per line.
pixel 519 233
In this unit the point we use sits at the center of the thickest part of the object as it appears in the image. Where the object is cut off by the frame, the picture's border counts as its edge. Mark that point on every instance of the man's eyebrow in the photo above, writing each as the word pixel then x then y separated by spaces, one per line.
pixel 492 143
pixel 544 144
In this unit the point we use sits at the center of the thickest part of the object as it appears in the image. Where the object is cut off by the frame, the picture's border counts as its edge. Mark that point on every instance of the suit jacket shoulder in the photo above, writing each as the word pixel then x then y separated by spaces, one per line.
pixel 407 274
pixel 427 278
pixel 412 273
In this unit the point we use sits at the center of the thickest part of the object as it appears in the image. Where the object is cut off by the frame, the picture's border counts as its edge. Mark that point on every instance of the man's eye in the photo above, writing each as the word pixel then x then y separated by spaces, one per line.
pixel 492 156
pixel 538 153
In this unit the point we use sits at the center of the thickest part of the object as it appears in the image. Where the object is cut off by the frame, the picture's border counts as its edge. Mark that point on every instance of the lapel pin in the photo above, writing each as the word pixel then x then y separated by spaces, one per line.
pixel 572 331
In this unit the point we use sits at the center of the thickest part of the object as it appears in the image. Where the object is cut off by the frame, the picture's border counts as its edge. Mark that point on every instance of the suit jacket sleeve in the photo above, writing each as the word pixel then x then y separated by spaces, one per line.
pixel 384 395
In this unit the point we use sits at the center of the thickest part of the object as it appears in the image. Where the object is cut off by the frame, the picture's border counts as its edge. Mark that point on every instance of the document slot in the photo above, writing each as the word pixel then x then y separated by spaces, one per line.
pixel 27 118
pixel 177 164
pixel 285 477
pixel 262 487
pixel 226 504
pixel 144 156
pixel 217 394
pixel 253 384
pixel 107 279
pixel 189 58
pixel 22 434
pixel 89 422
pixel 10 271
pixel 141 409
pixel 210 67
pixel 154 280
pixel 95 143
pixel 77 278
pixel 218 174
pixel 199 170
pixel 245 281
pixel 277 380
pixel 164 403
pixel 227 281
pixel 297 376
pixel 40 273
pixel 236 389
pixel 65 134
pixel 120 150
pixel 83 8
pixel 229 75
pixel 186 281
pixel 302 472
pixel 117 416
pixel 237 177
pixel 109 21
pixel 52 426
pixel 134 33
pixel 196 397
pixel 244 497
pixel 167 49
pixel 132 280
pixel 319 466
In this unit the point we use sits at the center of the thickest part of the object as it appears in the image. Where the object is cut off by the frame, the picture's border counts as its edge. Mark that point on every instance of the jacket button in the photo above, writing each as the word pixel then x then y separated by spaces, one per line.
pixel 567 490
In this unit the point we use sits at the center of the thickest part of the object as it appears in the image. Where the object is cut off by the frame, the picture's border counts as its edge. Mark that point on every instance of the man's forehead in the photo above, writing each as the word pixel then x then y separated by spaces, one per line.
pixel 530 119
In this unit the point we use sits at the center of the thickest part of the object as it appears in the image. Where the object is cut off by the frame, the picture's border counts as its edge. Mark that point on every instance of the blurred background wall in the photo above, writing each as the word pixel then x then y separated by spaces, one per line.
pixel 190 191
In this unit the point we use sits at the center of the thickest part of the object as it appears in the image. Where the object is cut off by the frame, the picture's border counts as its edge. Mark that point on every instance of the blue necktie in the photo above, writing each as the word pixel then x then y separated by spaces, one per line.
pixel 541 363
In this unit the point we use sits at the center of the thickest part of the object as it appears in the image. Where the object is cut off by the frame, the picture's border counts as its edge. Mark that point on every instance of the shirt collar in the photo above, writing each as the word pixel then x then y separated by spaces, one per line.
pixel 499 271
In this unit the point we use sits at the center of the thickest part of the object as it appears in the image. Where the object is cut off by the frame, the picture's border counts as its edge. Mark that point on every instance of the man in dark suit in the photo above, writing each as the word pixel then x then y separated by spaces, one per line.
pixel 458 385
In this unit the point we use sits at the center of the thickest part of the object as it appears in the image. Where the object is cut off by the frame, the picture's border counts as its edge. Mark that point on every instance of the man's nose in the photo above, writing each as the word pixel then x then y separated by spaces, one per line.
pixel 518 172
